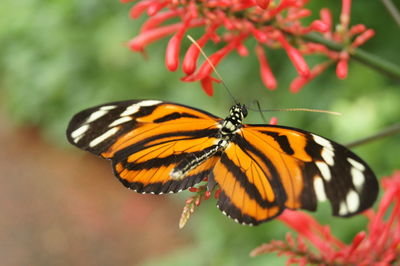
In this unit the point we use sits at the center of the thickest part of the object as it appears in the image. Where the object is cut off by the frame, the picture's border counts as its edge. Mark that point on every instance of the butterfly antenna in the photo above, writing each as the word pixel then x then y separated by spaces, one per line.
pixel 295 110
pixel 212 66
pixel 259 109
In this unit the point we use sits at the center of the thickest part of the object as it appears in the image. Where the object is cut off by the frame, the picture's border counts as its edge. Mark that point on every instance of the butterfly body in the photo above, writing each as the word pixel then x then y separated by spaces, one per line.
pixel 160 147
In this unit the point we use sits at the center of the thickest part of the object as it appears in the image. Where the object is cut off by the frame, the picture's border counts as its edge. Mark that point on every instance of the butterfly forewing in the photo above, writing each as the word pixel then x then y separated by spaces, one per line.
pixel 146 140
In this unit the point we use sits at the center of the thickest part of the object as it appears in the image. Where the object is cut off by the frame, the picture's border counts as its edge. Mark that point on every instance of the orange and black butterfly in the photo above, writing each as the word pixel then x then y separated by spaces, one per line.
pixel 161 147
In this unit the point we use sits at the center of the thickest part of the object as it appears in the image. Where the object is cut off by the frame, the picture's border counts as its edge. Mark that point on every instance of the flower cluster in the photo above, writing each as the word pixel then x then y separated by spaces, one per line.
pixel 380 245
pixel 273 24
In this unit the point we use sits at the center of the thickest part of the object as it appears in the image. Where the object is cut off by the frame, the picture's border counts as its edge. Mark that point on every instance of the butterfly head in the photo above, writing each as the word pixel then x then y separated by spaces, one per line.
pixel 239 111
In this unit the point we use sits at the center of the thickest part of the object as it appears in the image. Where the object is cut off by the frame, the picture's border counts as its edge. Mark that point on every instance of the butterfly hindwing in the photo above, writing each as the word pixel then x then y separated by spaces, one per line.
pixel 312 168
pixel 146 140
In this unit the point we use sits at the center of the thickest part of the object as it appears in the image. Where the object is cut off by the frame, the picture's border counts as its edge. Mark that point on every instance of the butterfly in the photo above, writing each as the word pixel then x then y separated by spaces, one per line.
pixel 162 147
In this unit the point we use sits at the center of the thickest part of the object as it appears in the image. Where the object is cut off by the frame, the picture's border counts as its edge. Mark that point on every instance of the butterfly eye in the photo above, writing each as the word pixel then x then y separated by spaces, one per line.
pixel 244 111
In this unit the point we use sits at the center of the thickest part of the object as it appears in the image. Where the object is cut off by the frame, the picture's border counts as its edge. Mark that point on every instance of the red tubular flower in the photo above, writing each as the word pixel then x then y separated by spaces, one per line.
pixel 155 7
pixel 380 245
pixel 173 48
pixel 295 56
pixel 267 76
pixel 273 24
pixel 140 7
pixel 192 54
pixel 138 43
pixel 205 70
pixel 299 82
pixel 206 84
pixel 156 20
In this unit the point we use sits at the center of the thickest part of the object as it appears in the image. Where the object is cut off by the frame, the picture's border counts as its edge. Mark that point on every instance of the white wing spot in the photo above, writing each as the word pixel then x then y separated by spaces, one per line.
pixel 135 107
pixel 96 115
pixel 130 110
pixel 324 169
pixel 323 142
pixel 319 188
pixel 353 201
pixel 79 131
pixel 343 209
pixel 358 178
pixel 108 107
pixel 103 137
pixel 120 121
pixel 356 164
pixel 327 155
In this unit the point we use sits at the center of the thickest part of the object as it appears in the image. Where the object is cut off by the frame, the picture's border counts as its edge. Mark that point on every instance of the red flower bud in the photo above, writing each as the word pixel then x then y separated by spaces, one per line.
pixel 273 121
pixel 326 17
pixel 216 194
pixel 207 194
pixel 320 26
pixel 263 3
pixel 365 36
pixel 342 68
pixel 193 189
pixel 345 14
pixel 357 29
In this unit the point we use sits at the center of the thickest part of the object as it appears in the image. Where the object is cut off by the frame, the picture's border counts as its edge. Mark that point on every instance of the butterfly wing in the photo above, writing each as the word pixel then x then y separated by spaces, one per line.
pixel 146 140
pixel 275 167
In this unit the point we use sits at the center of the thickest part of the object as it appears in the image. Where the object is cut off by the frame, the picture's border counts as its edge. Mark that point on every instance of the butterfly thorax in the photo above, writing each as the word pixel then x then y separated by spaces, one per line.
pixel 233 121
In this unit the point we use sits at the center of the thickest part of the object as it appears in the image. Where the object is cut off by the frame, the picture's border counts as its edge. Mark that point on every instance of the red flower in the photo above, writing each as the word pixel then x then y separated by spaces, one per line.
pixel 380 245
pixel 273 25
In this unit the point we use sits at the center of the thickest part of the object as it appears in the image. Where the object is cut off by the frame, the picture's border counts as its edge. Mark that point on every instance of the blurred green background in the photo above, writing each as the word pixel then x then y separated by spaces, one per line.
pixel 64 207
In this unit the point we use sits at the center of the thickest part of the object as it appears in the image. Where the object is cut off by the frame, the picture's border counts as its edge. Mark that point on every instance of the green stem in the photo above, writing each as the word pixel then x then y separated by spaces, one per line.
pixel 392 130
pixel 373 61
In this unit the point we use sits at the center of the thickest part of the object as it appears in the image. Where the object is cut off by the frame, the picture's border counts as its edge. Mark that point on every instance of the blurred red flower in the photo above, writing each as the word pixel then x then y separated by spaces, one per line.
pixel 273 24
pixel 380 245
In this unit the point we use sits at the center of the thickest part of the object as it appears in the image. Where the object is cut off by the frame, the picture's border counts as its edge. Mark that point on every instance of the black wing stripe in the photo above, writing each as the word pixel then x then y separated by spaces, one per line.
pixel 243 180
pixel 123 153
pixel 282 141
pixel 274 179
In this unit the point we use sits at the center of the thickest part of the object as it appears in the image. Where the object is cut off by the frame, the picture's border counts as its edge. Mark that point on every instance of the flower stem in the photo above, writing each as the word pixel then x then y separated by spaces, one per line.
pixel 394 129
pixel 394 12
pixel 371 60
